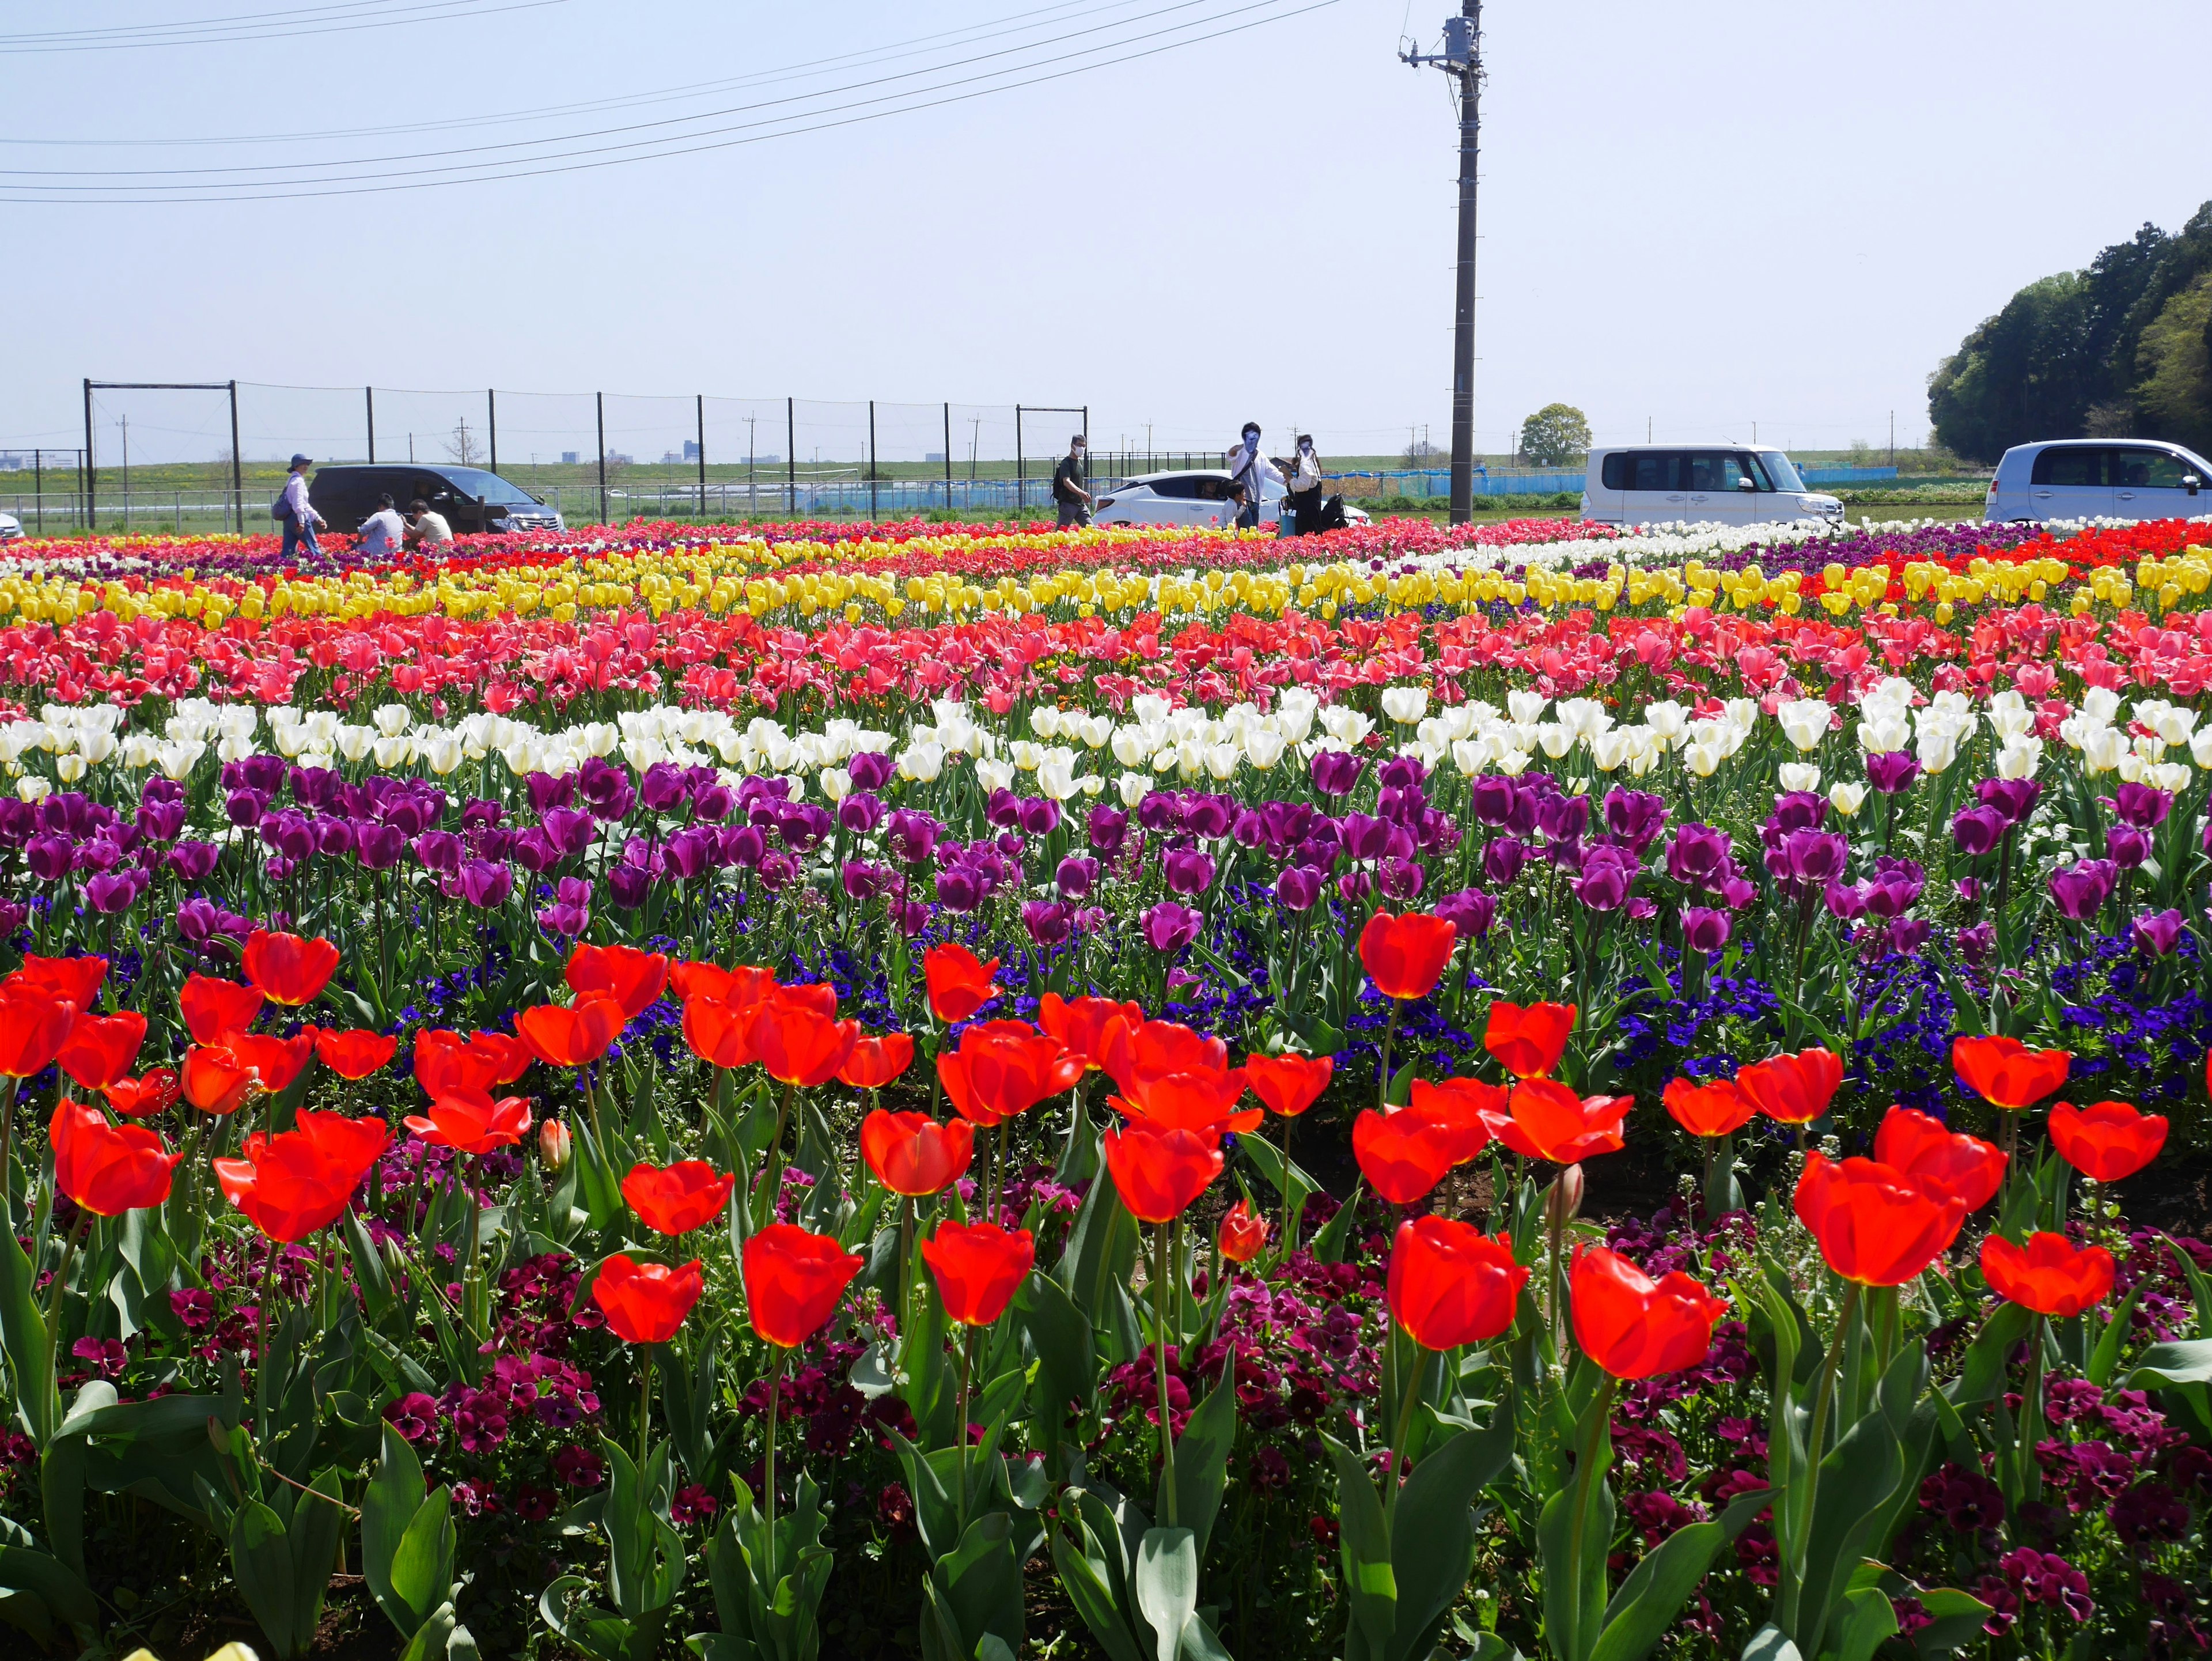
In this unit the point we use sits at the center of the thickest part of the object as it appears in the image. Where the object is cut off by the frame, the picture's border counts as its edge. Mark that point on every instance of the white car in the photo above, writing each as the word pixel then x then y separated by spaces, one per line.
pixel 11 528
pixel 1708 485
pixel 1199 496
pixel 2097 478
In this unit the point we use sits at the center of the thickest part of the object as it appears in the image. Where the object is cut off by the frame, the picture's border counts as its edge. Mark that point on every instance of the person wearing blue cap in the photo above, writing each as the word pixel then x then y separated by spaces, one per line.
pixel 297 513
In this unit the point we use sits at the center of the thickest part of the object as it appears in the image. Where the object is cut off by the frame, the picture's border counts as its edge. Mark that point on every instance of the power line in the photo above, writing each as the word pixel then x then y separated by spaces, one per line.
pixel 345 18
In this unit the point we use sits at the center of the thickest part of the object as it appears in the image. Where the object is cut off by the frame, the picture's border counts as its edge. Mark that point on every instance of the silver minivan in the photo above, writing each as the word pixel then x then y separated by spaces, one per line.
pixel 2097 478
pixel 1702 484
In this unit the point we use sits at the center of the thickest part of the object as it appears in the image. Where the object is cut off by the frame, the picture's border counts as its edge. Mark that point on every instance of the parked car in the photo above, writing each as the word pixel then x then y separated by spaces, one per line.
pixel 1719 484
pixel 2097 478
pixel 11 528
pixel 470 498
pixel 1199 496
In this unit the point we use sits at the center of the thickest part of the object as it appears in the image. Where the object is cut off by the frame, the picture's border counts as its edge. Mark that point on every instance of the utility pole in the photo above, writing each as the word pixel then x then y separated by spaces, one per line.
pixel 1461 57
pixel 1892 440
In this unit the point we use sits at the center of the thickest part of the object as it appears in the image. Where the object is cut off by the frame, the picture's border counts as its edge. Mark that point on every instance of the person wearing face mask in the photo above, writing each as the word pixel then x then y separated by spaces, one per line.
pixel 1249 472
pixel 1069 490
pixel 1303 517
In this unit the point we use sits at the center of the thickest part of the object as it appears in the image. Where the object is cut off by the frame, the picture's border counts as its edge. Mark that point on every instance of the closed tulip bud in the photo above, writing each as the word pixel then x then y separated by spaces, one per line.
pixel 1564 1203
pixel 554 1145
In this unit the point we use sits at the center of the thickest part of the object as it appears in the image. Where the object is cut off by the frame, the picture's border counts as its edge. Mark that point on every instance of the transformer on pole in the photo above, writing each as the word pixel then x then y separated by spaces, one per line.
pixel 1461 57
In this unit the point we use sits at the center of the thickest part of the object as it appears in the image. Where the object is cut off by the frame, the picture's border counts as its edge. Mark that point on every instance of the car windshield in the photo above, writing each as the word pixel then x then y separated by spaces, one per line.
pixel 473 482
pixel 1781 471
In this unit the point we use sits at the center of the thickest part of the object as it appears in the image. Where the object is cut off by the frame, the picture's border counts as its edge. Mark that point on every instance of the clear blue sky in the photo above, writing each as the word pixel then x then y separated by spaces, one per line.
pixel 1695 215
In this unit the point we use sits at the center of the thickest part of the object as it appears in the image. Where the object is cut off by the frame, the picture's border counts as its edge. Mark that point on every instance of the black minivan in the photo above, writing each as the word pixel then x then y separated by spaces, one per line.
pixel 468 498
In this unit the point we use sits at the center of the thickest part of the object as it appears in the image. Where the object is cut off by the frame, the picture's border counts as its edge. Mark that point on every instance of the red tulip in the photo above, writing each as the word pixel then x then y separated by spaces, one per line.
pixel 2106 1140
pixel 719 1031
pixel 797 1042
pixel 2049 1274
pixel 289 1185
pixel 875 1060
pixel 959 983
pixel 1288 1084
pixel 1002 1068
pixel 632 978
pixel 1156 1172
pixel 101 1049
pixel 1134 1056
pixel 1966 1167
pixel 274 1062
pixel 1405 1154
pixel 1081 1024
pixel 574 1035
pixel 1528 1043
pixel 355 1055
pixel 143 1097
pixel 290 970
pixel 978 1268
pixel 1243 1233
pixel 793 1281
pixel 1467 1102
pixel 685 1195
pixel 646 1302
pixel 34 1025
pixel 483 1060
pixel 743 984
pixel 1192 1101
pixel 212 1007
pixel 108 1169
pixel 213 1080
pixel 1450 1283
pixel 2006 1074
pixel 1793 1089
pixel 471 1121
pixel 1715 1109
pixel 72 979
pixel 1405 956
pixel 1547 1121
pixel 1876 1225
pixel 912 1154
pixel 1635 1327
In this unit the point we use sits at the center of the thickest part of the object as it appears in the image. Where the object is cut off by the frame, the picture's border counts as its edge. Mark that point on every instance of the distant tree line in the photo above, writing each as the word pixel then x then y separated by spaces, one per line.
pixel 2123 349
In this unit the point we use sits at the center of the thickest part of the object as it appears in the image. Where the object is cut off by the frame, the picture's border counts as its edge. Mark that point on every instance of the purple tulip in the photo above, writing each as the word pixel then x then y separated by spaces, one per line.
pixel 1808 859
pixel 627 885
pixel 1076 876
pixel 1355 887
pixel 1249 828
pixel 1698 855
pixel 1470 911
pixel 335 838
pixel 958 889
pixel 1490 795
pixel 1893 771
pixel 871 769
pixel 1979 830
pixel 913 916
pixel 1169 928
pixel 1039 816
pixel 1298 886
pixel 1798 810
pixel 2143 805
pixel 1405 804
pixel 199 921
pixel 110 892
pixel 485 885
pixel 1335 771
pixel 562 922
pixel 1846 901
pixel 713 804
pixel 1365 836
pixel 663 787
pixel 2157 933
pixel 1604 881
pixel 1187 871
pixel 439 850
pixel 1976 944
pixel 778 871
pixel 1504 861
pixel 740 845
pixel 1564 818
pixel 1636 817
pixel 1208 816
pixel 1736 892
pixel 1907 936
pixel 1704 929
pixel 690 852
pixel 864 881
pixel 2126 847
pixel 1895 885
pixel 290 833
pixel 14 914
pixel 1107 828
pixel 1402 772
pixel 2080 889
pixel 50 855
pixel 1969 890
pixel 160 821
pixel 1004 809
pixel 244 806
pixel 1048 924
pixel 1401 879
pixel 2014 798
pixel 548 792
pixel 1160 810
pixel 193 860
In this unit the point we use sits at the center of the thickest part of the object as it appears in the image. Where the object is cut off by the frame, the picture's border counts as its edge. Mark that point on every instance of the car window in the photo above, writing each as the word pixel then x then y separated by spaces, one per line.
pixel 1181 489
pixel 2071 466
pixel 1210 489
pixel 1615 471
pixel 1644 470
pixel 2146 469
pixel 1713 469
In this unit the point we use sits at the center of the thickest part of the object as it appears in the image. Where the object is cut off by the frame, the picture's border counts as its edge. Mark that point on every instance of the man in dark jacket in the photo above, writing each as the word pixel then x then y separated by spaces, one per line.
pixel 1068 491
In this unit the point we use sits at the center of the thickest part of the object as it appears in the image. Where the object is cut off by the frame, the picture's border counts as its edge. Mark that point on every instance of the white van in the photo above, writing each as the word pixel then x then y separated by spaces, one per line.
pixel 1715 484
pixel 2097 478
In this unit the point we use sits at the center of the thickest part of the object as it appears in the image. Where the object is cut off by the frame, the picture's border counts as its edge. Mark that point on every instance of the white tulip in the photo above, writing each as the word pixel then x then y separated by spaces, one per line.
pixel 2102 702
pixel 140 749
pixel 441 751
pixel 1526 706
pixel 1263 747
pixel 392 719
pixel 68 768
pixel 1703 760
pixel 1800 775
pixel 1847 797
pixel 836 783
pixel 33 787
pixel 1130 747
pixel 921 762
pixel 1556 737
pixel 2019 758
pixel 1937 750
pixel 1404 704
pixel 1804 721
pixel 2101 749
pixel 1134 787
pixel 234 746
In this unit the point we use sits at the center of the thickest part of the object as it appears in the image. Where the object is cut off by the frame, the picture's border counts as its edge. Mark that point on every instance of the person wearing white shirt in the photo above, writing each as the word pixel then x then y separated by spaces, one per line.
pixel 1305 484
pixel 298 513
pixel 382 530
pixel 424 527
pixel 1249 471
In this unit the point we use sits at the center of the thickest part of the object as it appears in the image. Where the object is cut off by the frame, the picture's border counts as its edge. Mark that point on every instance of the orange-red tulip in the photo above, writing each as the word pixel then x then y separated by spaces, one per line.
pixel 1547 1121
pixel 570 1035
pixel 1793 1089
pixel 1002 1068
pixel 742 985
pixel 213 1080
pixel 1192 1101
pixel 101 1049
pixel 793 1281
pixel 1451 1284
pixel 289 1185
pixel 798 1043
pixel 1156 1172
pixel 357 1053
pixel 471 1121
pixel 483 1060
pixel 632 978
pixel 73 980
pixel 1467 1102
pixel 1081 1024
pixel 1405 956
pixel 912 1154
pixel 1635 1327
pixel 719 1032
pixel 2006 1074
pixel 1875 1224
pixel 1288 1084
pixel 978 1267
pixel 1406 1153
pixel 290 970
pixel 274 1062
pixel 1966 1167
pixel 2049 1274
pixel 1242 1235
pixel 1717 1108
pixel 157 1092
pixel 685 1195
pixel 1528 1042
pixel 959 982
pixel 2106 1140
pixel 212 1007
pixel 877 1059
pixel 108 1169
pixel 34 1025
pixel 646 1302
pixel 1133 1055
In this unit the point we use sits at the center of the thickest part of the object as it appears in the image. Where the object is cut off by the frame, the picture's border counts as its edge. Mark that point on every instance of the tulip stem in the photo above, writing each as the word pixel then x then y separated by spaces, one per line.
pixel 1284 1240
pixel 1160 1249
pixel 1405 1429
pixel 61 1284
pixel 1587 1477
pixel 775 1392
pixel 1390 1031
pixel 906 1272
pixel 960 1430
pixel 1555 1219
pixel 774 1184
pixel 1793 1565
pixel 2030 1414
pixel 6 1136
pixel 644 1408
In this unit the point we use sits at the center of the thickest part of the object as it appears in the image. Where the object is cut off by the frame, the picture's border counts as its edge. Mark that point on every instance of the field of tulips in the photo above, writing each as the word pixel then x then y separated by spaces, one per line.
pixel 853 1091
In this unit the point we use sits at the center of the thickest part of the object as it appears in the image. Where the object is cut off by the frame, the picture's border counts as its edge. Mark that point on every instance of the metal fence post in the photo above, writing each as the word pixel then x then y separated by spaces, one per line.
pixel 237 463
pixel 38 491
pixel 874 500
pixel 600 403
pixel 491 424
pixel 791 451
pixel 948 458
pixel 701 412
pixel 368 398
pixel 1021 476
pixel 90 477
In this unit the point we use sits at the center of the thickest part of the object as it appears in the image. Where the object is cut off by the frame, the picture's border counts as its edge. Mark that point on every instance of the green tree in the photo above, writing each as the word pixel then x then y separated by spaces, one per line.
pixel 2175 394
pixel 1555 436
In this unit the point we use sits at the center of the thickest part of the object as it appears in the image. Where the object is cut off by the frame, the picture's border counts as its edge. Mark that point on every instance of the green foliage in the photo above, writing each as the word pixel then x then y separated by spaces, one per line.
pixel 1555 436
